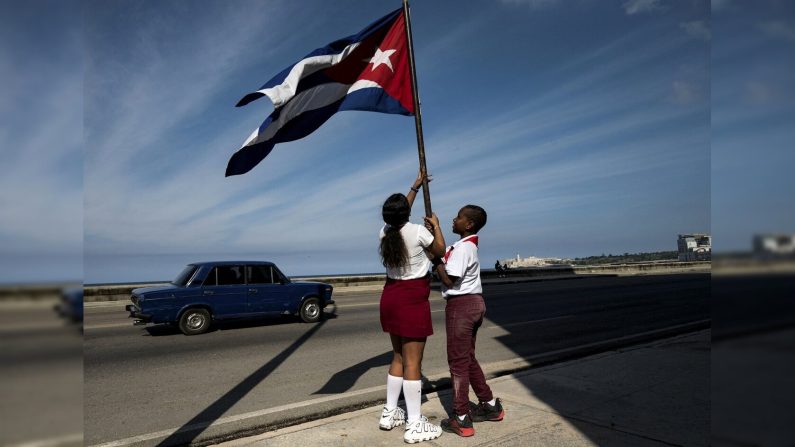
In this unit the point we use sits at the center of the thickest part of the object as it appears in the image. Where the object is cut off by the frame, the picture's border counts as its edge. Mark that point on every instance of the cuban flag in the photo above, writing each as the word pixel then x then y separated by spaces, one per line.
pixel 367 71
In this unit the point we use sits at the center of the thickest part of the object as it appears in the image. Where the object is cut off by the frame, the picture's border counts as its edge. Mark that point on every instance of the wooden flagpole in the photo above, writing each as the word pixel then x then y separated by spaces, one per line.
pixel 426 194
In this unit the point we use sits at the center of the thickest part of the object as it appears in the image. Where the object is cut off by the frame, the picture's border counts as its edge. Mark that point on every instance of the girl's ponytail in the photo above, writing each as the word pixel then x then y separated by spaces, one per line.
pixel 393 249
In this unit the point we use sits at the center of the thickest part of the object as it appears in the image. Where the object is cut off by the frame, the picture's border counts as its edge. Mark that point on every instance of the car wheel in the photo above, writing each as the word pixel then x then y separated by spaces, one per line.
pixel 310 311
pixel 194 321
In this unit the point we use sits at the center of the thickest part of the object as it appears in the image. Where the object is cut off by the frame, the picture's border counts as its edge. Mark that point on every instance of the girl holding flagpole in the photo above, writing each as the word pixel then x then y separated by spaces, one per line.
pixel 406 312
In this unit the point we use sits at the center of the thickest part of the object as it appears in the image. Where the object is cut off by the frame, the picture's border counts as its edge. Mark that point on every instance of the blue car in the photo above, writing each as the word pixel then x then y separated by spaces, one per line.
pixel 209 291
pixel 71 304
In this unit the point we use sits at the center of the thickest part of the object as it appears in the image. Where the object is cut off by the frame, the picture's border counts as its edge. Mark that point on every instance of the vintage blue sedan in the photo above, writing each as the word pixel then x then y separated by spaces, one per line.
pixel 208 291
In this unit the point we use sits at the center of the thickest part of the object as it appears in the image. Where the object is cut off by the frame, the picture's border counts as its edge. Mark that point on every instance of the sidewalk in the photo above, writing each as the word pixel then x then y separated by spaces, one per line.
pixel 647 395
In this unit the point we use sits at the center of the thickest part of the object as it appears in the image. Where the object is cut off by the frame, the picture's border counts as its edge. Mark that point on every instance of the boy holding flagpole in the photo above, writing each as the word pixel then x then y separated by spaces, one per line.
pixel 459 272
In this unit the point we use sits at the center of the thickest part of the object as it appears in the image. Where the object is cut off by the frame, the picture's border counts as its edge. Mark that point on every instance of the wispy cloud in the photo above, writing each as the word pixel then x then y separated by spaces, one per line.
pixel 632 7
pixel 697 29
pixel 758 93
pixel 143 110
pixel 779 29
pixel 720 5
pixel 41 186
pixel 686 92
pixel 534 4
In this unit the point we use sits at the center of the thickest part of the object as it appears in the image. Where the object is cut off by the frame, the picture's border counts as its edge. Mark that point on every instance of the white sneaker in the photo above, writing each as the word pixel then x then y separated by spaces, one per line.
pixel 421 430
pixel 392 419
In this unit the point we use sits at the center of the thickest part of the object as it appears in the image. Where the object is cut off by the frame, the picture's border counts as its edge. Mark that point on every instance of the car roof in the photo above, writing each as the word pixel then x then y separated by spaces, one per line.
pixel 231 263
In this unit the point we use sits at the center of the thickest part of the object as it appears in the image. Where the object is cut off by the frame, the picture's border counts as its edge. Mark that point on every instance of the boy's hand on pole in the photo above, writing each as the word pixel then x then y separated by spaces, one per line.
pixel 431 223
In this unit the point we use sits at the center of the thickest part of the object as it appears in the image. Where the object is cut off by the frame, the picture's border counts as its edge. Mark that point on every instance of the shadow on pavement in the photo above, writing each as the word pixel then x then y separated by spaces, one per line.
pixel 752 391
pixel 161 330
pixel 196 425
pixel 546 318
pixel 344 380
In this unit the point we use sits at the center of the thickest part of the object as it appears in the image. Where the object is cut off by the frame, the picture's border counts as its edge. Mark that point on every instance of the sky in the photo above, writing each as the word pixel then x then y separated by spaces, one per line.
pixel 41 147
pixel 582 127
pixel 753 106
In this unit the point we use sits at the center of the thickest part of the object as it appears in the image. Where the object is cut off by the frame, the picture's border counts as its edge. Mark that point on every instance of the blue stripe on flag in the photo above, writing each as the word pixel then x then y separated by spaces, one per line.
pixel 373 100
pixel 367 99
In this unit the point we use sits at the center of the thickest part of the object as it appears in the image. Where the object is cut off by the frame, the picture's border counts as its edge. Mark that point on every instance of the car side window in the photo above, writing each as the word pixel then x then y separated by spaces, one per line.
pixel 260 274
pixel 212 278
pixel 228 275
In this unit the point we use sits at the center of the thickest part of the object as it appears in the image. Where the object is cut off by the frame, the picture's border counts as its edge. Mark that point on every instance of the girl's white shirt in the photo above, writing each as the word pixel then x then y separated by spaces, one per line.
pixel 417 238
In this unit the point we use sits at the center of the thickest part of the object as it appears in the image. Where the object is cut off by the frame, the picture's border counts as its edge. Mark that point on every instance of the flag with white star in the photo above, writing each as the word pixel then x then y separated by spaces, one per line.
pixel 366 71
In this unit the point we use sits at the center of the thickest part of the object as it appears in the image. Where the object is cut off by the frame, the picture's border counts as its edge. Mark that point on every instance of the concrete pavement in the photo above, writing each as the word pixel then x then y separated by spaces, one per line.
pixel 645 395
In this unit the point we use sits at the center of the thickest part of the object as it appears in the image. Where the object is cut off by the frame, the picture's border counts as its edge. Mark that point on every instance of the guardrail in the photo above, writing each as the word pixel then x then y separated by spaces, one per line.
pixel 31 292
pixel 113 292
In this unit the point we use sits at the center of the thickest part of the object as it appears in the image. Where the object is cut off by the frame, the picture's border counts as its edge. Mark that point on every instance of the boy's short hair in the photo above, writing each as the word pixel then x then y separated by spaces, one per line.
pixel 477 215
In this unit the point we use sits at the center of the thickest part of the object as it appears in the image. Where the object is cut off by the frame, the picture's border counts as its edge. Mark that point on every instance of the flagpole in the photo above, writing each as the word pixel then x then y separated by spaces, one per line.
pixel 426 194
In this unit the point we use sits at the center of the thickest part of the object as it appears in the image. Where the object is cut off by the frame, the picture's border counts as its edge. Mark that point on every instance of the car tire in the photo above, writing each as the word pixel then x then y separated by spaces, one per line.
pixel 310 311
pixel 194 321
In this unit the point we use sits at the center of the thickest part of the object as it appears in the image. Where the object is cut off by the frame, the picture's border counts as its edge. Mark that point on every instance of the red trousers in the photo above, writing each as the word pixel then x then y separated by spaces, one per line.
pixel 463 316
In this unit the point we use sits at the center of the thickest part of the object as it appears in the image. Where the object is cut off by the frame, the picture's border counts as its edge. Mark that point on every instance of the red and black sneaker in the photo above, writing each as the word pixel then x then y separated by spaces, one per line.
pixel 486 412
pixel 455 425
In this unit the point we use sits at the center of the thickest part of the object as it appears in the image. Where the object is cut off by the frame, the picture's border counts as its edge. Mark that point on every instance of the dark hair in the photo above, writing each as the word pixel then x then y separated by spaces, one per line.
pixel 395 212
pixel 477 215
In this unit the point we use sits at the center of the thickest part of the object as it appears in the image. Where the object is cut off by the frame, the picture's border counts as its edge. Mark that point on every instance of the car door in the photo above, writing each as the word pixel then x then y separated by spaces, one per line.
pixel 225 289
pixel 265 290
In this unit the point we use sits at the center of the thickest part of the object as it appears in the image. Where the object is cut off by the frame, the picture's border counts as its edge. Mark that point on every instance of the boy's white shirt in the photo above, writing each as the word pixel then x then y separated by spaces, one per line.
pixel 417 238
pixel 463 263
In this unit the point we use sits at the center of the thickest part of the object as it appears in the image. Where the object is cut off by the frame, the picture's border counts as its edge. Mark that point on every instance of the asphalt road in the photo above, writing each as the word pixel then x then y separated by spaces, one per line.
pixel 140 381
pixel 41 363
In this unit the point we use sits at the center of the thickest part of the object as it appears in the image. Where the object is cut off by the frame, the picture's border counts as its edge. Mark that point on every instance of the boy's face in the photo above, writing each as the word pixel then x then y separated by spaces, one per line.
pixel 461 223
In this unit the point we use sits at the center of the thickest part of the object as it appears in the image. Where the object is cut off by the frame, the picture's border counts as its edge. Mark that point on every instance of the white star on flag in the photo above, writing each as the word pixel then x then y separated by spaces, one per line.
pixel 382 57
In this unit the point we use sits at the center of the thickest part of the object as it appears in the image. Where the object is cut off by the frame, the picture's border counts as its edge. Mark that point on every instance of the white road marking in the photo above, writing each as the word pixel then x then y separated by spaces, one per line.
pixel 75 438
pixel 105 326
pixel 100 304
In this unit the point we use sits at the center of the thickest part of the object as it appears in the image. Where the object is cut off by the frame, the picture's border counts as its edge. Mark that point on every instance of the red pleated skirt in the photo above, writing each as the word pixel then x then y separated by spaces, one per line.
pixel 405 310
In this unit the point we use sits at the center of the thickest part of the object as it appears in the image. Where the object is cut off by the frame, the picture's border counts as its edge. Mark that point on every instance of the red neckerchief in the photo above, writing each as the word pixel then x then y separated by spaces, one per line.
pixel 473 239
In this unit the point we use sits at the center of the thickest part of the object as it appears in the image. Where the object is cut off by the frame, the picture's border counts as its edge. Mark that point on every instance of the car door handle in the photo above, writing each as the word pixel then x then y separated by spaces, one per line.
pixel 208 292
pixel 252 290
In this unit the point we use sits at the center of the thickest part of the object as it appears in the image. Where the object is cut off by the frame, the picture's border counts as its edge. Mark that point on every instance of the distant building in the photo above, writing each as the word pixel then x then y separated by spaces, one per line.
pixel 530 261
pixel 774 245
pixel 695 247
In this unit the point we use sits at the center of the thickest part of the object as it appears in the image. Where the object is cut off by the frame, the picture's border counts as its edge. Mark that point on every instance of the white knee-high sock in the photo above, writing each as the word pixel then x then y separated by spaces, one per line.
pixel 412 392
pixel 393 387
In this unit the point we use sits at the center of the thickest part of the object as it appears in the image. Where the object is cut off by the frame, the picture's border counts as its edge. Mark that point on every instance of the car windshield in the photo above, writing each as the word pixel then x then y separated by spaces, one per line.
pixel 184 276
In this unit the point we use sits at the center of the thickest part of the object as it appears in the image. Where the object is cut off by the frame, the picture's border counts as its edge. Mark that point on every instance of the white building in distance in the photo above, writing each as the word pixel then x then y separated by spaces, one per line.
pixel 774 245
pixel 530 261
pixel 695 247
